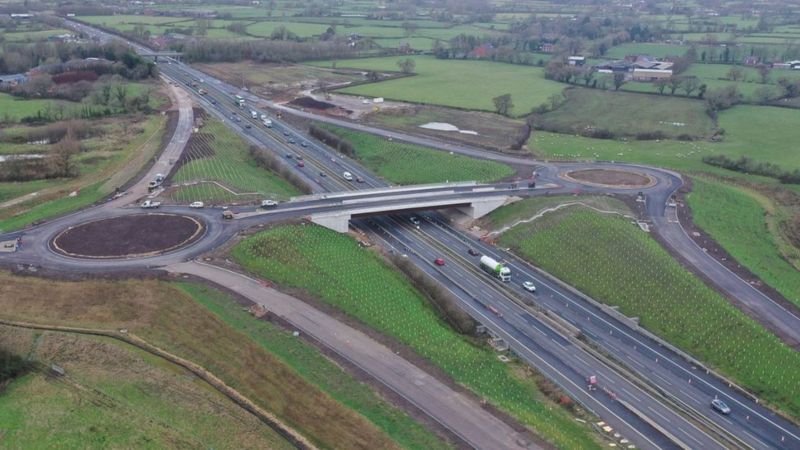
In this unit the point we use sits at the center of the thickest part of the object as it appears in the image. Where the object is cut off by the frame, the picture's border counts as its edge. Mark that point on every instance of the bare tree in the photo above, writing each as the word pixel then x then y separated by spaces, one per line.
pixel 407 65
pixel 690 85
pixel 619 80
pixel 763 72
pixel 503 104
pixel 660 84
pixel 735 74
pixel 674 83
pixel 121 92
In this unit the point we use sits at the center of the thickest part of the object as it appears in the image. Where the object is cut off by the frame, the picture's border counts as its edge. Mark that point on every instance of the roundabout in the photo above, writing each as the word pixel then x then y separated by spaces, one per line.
pixel 615 178
pixel 128 236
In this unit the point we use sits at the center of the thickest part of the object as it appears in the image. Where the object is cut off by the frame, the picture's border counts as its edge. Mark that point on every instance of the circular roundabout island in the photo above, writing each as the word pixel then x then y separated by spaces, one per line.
pixel 129 236
pixel 611 178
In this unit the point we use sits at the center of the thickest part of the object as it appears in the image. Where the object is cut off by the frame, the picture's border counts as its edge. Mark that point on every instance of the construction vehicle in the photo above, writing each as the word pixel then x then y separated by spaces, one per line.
pixel 495 269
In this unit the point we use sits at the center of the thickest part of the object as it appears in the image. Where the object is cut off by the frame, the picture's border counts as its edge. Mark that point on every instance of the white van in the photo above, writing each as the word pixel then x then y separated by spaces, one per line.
pixel 347 176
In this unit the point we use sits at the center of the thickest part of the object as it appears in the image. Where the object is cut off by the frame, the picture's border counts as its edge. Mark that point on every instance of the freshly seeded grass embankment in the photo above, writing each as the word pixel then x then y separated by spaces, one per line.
pixel 612 261
pixel 333 268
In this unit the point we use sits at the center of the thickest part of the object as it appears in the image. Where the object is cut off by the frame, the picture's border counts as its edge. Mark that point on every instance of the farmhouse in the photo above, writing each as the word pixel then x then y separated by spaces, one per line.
pixel 650 74
pixel 576 60
pixel 12 80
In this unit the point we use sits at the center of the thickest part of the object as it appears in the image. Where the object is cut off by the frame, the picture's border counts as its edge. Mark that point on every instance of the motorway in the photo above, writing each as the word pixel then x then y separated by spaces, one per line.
pixel 650 393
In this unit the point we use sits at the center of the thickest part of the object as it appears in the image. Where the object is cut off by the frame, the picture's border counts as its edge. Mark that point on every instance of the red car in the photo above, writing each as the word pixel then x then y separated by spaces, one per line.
pixel 439 261
pixel 301 164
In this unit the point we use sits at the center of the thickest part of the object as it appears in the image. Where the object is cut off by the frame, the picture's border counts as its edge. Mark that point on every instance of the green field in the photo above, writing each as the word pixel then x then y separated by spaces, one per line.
pixel 165 315
pixel 759 132
pixel 334 268
pixel 32 36
pixel 116 396
pixel 12 109
pixel 317 369
pixel 614 262
pixel 727 214
pixel 625 114
pixel 107 160
pixel 403 163
pixel 655 50
pixel 456 83
pixel 218 155
pixel 266 28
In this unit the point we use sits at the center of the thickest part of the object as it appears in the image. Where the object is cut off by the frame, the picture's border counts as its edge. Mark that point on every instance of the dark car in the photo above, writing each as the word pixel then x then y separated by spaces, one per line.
pixel 248 126
pixel 213 102
pixel 285 133
pixel 289 155
pixel 304 144
pixel 359 180
pixel 473 252
pixel 301 164
pixel 415 220
pixel 291 141
pixel 323 174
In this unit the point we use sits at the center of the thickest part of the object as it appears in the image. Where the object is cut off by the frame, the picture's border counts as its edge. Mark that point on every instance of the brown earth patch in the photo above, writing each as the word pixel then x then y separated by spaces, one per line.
pixel 610 177
pixel 128 236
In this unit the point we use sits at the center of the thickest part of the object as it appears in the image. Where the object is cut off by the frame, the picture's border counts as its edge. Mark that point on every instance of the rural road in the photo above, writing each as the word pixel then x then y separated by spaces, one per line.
pixel 453 410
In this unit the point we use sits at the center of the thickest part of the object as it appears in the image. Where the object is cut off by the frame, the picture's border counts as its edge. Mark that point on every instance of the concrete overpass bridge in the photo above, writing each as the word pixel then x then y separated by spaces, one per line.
pixel 334 211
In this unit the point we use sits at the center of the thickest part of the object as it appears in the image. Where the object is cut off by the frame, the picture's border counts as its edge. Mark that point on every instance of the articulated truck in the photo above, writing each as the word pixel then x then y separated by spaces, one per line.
pixel 495 269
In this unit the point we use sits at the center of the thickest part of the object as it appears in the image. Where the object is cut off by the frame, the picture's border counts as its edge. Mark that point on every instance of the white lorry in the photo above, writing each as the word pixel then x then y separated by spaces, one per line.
pixel 495 269
pixel 267 123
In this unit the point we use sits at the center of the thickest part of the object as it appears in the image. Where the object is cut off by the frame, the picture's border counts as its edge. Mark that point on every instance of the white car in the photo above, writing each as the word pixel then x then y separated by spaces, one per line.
pixel 196 205
pixel 347 176
pixel 529 286
pixel 268 203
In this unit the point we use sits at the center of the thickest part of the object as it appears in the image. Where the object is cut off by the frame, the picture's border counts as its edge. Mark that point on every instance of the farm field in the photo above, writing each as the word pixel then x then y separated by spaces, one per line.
pixel 317 369
pixel 609 259
pixel 109 160
pixel 335 269
pixel 492 131
pixel 116 396
pixel 754 131
pixel 165 315
pixel 265 28
pixel 456 83
pixel 726 214
pixel 275 77
pixel 217 167
pixel 12 109
pixel 403 163
pixel 31 36
pixel 655 50
pixel 633 114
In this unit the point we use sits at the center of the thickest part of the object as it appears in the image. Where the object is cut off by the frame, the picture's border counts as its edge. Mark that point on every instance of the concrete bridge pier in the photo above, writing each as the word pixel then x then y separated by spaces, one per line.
pixel 339 221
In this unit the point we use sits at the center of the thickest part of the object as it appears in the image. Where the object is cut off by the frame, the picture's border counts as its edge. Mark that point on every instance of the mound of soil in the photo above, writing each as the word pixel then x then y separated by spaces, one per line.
pixel 308 102
pixel 134 235
pixel 610 177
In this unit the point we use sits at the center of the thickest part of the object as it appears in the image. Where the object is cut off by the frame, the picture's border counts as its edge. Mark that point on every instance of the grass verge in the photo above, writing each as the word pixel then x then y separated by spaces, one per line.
pixel 116 396
pixel 737 222
pixel 335 269
pixel 168 317
pixel 217 154
pixel 316 369
pixel 403 163
pixel 612 261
